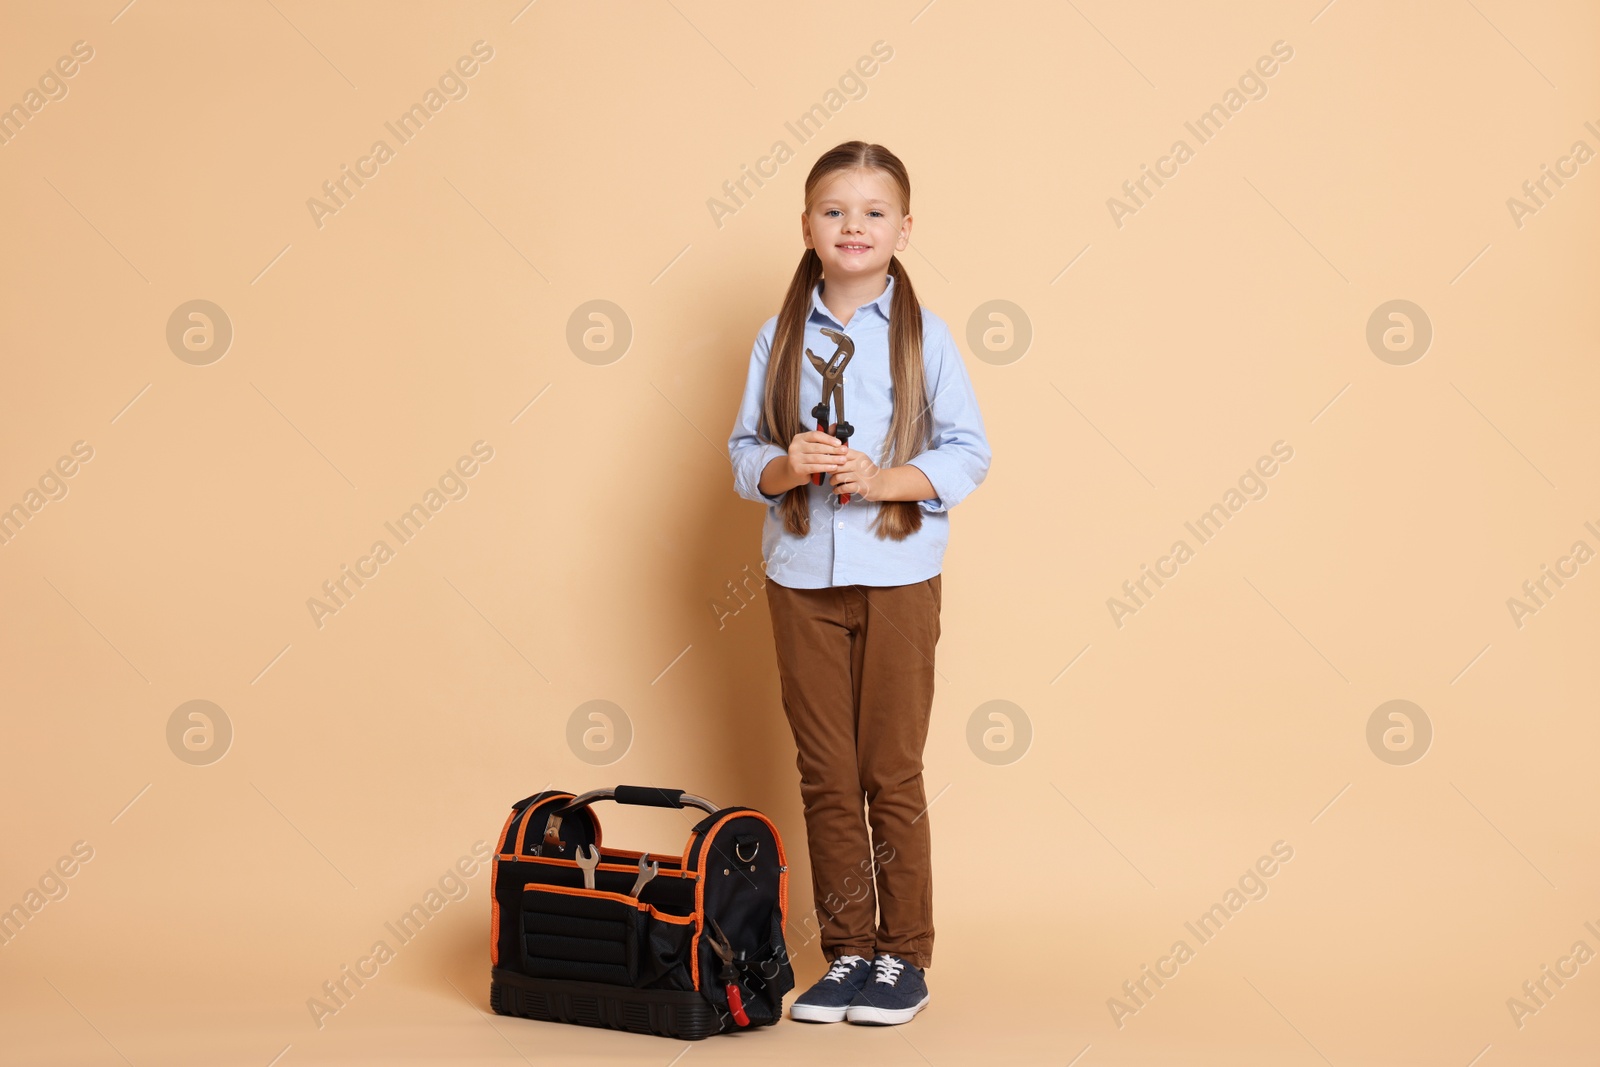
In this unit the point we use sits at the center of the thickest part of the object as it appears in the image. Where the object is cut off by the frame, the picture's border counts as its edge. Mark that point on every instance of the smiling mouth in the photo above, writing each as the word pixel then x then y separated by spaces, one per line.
pixel 854 248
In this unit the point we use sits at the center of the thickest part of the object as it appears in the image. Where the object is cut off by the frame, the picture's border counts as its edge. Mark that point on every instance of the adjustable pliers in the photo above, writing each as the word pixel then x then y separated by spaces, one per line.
pixel 832 372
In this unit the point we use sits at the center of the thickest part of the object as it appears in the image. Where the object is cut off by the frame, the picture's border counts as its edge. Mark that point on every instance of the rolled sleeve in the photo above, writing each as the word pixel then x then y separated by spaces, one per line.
pixel 958 459
pixel 746 451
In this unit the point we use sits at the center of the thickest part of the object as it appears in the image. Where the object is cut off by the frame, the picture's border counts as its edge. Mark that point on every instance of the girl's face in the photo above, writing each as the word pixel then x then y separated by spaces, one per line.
pixel 855 224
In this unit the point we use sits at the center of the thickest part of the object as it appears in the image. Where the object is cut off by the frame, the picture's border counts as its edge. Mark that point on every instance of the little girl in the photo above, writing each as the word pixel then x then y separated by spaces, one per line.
pixel 854 587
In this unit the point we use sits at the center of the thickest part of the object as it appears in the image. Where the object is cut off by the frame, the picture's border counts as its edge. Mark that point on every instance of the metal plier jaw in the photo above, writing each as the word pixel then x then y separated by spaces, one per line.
pixel 832 371
pixel 730 972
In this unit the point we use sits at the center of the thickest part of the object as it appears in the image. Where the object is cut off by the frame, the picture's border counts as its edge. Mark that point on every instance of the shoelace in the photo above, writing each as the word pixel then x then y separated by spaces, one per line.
pixel 888 969
pixel 843 966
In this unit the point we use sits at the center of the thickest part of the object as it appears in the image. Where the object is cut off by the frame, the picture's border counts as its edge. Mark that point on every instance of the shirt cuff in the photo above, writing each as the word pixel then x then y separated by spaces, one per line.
pixel 750 477
pixel 950 482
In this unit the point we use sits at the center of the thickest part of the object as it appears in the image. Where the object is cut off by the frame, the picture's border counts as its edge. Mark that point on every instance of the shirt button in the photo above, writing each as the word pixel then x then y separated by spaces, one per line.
pixel 841 526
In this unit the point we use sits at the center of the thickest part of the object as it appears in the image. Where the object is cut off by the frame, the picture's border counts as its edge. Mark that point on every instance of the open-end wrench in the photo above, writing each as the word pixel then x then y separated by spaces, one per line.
pixel 588 863
pixel 832 372
pixel 645 874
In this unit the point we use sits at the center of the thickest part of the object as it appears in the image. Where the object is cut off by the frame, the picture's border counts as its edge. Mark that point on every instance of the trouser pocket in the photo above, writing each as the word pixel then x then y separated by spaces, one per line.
pixel 589 935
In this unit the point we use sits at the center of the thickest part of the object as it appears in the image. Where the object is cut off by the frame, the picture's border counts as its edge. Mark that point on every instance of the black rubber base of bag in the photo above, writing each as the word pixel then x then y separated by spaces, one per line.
pixel 685 1014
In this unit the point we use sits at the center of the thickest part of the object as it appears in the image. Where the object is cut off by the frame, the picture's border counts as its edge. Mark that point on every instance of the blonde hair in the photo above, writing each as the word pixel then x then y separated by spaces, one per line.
pixel 910 426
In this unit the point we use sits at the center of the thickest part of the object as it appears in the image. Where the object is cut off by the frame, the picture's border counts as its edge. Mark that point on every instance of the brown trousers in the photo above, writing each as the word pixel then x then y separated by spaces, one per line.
pixel 856 666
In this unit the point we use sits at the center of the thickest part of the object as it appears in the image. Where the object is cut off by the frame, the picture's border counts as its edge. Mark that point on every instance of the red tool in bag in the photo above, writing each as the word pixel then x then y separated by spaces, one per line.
pixel 680 945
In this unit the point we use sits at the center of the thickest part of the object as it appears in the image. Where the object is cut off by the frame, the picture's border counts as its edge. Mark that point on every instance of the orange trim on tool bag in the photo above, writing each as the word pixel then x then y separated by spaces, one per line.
pixel 783 873
pixel 700 895
pixel 602 894
pixel 505 831
pixel 522 828
pixel 660 857
pixel 700 886
pixel 688 848
pixel 783 882
pixel 494 905
pixel 630 868
pixel 494 873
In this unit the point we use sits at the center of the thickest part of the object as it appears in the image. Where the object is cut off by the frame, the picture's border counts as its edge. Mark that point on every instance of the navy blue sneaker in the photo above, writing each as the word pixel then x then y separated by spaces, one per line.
pixel 826 1001
pixel 896 993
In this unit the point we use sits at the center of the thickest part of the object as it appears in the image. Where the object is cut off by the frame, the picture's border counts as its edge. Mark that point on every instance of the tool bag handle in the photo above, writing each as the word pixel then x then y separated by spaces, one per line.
pixel 645 795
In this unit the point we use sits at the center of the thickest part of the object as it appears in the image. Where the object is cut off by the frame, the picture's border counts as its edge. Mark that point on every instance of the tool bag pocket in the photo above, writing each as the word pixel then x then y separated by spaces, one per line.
pixel 763 975
pixel 589 935
pixel 664 940
pixel 766 975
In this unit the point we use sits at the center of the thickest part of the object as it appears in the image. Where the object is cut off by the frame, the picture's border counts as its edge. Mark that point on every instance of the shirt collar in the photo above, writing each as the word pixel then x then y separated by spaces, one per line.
pixel 883 303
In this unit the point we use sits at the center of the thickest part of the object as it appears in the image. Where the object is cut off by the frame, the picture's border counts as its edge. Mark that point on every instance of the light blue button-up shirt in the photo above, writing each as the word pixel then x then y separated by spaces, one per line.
pixel 841 548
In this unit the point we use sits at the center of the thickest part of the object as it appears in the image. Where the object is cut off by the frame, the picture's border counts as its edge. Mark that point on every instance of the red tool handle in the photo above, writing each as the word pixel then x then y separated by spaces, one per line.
pixel 736 1005
pixel 816 476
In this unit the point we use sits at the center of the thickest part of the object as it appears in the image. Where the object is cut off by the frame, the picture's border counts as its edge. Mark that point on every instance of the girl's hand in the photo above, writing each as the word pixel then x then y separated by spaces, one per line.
pixel 857 475
pixel 814 452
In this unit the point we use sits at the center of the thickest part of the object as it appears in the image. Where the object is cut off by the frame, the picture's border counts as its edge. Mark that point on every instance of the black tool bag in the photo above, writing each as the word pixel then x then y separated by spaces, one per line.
pixel 650 964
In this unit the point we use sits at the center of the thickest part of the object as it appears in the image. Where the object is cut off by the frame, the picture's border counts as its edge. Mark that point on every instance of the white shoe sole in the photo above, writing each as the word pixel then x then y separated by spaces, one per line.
pixel 870 1016
pixel 812 1013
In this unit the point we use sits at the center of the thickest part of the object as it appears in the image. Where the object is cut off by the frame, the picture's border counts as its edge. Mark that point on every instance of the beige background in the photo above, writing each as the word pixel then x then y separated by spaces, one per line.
pixel 588 556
